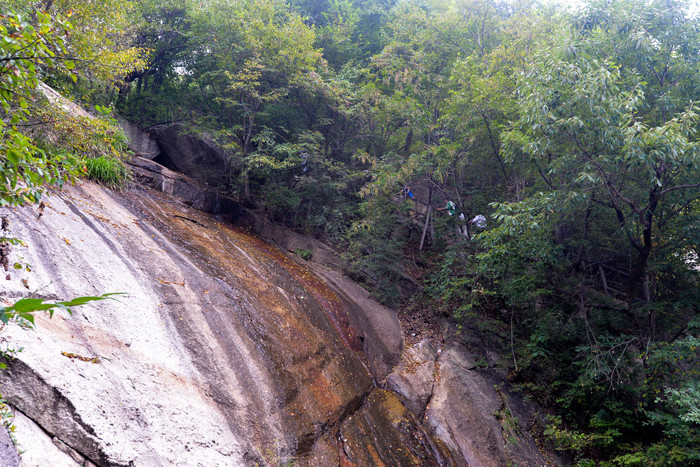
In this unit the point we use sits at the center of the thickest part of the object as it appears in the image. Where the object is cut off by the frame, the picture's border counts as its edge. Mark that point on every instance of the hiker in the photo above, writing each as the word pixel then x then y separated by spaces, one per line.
pixel 304 160
pixel 460 225
pixel 449 207
pixel 479 221
pixel 406 192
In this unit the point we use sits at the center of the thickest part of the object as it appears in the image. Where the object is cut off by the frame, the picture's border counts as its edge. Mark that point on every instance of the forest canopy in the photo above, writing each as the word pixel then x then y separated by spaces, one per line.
pixel 527 171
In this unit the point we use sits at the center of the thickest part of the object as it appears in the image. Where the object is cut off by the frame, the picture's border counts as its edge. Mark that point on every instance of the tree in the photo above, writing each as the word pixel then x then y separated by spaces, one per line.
pixel 29 49
pixel 591 258
pixel 269 57
pixel 163 30
pixel 26 49
pixel 592 117
pixel 98 43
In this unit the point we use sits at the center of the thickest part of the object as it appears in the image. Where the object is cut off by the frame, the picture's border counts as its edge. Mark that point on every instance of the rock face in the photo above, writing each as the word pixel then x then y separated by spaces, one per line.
pixel 378 328
pixel 8 452
pixel 413 377
pixel 186 190
pixel 291 241
pixel 404 441
pixel 196 156
pixel 461 412
pixel 38 446
pixel 225 350
pixel 469 411
pixel 61 102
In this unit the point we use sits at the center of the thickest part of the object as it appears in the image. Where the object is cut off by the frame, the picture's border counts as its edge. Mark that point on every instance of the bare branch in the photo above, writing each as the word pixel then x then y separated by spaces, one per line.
pixel 679 187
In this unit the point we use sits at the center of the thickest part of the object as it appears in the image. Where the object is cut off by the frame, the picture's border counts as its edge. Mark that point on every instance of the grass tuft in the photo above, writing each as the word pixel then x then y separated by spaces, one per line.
pixel 108 170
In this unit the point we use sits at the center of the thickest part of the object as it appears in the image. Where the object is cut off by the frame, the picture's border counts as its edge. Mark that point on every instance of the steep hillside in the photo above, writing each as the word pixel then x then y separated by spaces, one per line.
pixel 225 349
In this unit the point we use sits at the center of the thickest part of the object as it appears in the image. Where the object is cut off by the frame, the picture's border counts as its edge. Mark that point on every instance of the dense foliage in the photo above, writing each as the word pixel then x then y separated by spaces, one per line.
pixel 573 132
pixel 44 141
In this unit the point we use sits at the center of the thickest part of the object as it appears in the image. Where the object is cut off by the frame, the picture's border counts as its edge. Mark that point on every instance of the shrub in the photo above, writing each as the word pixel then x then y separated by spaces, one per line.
pixel 306 255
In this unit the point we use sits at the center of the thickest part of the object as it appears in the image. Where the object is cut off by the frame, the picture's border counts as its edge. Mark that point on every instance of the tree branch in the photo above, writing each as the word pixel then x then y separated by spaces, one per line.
pixel 614 192
pixel 493 145
pixel 679 187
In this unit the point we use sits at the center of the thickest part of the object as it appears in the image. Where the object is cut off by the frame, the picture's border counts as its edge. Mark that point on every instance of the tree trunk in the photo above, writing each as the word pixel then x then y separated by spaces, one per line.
pixel 639 268
pixel 246 185
pixel 604 280
pixel 425 228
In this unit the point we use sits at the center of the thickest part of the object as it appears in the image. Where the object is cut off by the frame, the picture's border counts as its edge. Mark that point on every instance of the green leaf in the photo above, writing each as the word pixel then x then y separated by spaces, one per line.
pixel 30 305
pixel 83 300
pixel 28 316
pixel 13 156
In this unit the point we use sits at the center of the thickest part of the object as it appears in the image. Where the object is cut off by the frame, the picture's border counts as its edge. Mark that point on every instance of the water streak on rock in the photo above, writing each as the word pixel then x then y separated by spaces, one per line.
pixel 226 350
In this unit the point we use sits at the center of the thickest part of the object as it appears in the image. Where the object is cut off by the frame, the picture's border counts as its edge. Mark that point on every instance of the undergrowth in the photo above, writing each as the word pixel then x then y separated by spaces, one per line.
pixel 108 170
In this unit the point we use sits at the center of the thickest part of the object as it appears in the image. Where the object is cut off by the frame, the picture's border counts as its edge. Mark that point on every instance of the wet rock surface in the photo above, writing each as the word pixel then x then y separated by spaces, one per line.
pixel 377 327
pixel 228 350
pixel 225 350
pixel 291 241
pixel 402 442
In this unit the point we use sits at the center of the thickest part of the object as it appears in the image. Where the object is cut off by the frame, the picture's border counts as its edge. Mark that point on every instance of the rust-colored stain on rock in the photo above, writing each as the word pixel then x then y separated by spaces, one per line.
pixel 226 347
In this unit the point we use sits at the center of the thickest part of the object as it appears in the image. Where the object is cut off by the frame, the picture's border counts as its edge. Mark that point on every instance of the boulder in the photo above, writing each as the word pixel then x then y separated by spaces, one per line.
pixel 188 191
pixel 414 377
pixel 473 413
pixel 66 105
pixel 141 142
pixel 196 156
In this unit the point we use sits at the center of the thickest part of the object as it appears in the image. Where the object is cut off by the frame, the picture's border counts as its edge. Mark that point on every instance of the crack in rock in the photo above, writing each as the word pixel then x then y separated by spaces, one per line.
pixel 50 409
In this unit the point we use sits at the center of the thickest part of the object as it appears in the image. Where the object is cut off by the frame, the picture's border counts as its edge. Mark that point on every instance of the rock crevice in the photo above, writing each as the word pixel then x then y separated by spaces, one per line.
pixel 52 411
